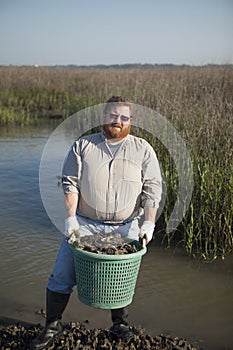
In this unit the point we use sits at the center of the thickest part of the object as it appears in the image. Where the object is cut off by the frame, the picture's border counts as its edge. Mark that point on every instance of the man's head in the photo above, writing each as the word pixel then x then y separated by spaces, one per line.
pixel 117 118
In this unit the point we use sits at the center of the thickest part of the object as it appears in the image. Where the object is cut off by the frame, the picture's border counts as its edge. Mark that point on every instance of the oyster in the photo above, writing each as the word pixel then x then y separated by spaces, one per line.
pixel 112 244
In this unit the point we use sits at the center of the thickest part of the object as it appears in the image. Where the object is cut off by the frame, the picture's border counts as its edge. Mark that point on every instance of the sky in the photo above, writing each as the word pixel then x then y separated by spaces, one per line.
pixel 90 32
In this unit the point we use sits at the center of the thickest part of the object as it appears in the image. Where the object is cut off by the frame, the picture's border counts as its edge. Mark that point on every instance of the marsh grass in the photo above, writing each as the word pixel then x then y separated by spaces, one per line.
pixel 197 101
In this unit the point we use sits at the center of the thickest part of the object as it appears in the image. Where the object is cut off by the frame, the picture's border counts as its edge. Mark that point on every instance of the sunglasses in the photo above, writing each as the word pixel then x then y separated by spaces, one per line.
pixel 114 118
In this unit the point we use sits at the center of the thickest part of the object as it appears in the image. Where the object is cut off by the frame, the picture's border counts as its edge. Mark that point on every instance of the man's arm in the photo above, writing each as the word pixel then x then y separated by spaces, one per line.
pixel 71 223
pixel 71 203
pixel 150 213
pixel 70 177
pixel 148 225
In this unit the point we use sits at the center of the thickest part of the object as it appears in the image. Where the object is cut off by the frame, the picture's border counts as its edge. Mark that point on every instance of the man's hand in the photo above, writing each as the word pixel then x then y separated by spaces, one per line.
pixel 147 231
pixel 72 229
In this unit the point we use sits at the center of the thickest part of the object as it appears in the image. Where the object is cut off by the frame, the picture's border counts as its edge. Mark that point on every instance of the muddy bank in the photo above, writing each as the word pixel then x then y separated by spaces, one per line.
pixel 77 336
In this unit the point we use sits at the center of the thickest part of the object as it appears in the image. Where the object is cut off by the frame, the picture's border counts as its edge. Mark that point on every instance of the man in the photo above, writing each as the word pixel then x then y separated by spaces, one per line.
pixel 110 179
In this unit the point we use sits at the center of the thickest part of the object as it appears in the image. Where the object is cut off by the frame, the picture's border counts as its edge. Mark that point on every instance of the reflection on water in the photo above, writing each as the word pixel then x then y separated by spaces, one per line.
pixel 177 295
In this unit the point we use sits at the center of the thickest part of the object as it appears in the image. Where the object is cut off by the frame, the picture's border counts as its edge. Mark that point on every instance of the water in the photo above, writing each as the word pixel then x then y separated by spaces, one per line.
pixel 175 294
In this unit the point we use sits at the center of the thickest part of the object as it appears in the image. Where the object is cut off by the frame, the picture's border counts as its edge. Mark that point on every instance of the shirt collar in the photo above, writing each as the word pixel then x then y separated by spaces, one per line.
pixel 104 138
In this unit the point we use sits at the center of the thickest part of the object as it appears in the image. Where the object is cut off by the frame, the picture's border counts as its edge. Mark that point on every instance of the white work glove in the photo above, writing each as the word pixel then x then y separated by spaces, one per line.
pixel 72 229
pixel 147 231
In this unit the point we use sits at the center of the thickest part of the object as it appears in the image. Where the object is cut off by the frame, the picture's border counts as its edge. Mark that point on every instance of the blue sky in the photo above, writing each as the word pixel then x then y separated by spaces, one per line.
pixel 86 32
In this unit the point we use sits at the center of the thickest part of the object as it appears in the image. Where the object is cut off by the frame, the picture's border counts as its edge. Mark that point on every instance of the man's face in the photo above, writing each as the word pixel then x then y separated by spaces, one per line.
pixel 117 122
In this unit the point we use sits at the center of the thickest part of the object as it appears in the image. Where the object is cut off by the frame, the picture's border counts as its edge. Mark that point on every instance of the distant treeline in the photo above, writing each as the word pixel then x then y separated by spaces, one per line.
pixel 129 66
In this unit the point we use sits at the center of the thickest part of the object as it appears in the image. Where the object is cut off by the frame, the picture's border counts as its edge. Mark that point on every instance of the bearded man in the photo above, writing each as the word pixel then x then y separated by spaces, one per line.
pixel 111 182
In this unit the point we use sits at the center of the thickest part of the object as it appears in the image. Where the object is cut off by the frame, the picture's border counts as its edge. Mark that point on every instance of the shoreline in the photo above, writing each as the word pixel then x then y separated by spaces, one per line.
pixel 17 334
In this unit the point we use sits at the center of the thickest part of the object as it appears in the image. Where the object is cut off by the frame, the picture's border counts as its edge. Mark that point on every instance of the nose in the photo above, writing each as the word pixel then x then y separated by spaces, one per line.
pixel 117 119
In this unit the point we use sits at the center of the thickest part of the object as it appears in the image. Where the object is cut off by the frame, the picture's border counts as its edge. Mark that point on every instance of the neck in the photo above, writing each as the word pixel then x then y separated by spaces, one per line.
pixel 115 141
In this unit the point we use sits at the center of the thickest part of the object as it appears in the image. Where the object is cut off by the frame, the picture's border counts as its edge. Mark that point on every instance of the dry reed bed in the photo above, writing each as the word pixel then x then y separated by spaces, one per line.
pixel 197 101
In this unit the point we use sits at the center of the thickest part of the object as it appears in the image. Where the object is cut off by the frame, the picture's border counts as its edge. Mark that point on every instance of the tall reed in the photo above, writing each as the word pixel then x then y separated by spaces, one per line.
pixel 197 101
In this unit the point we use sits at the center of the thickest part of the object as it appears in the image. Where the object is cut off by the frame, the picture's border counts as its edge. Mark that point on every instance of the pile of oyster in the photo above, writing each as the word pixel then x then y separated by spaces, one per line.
pixel 77 336
pixel 112 244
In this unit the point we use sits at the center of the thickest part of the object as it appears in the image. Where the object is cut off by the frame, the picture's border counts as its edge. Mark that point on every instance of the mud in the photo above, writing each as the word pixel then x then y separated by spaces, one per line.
pixel 105 244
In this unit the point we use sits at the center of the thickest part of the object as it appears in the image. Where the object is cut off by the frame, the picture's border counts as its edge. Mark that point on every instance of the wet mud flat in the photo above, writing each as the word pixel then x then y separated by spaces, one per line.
pixel 77 336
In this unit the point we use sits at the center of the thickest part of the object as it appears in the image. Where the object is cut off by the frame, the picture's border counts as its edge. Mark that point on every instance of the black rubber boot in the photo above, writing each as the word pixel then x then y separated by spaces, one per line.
pixel 120 327
pixel 119 315
pixel 55 306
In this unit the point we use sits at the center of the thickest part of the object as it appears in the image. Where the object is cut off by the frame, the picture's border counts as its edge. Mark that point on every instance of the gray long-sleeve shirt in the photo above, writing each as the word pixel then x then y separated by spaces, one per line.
pixel 112 187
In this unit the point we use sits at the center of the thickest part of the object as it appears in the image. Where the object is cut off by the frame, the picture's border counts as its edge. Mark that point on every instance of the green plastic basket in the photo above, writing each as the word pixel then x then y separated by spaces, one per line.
pixel 107 281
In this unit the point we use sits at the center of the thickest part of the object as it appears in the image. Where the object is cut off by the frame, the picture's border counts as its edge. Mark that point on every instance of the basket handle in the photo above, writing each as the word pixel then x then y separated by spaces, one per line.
pixel 143 241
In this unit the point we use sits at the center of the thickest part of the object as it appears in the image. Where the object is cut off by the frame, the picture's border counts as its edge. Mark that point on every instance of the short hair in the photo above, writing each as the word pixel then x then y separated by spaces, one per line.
pixel 118 100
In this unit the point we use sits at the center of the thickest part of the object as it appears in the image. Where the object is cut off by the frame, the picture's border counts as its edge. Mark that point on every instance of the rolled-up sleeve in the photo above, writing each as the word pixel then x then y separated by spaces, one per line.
pixel 71 171
pixel 151 179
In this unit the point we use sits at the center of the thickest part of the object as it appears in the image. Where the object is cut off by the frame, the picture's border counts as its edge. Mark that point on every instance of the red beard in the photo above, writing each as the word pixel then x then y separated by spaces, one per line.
pixel 116 130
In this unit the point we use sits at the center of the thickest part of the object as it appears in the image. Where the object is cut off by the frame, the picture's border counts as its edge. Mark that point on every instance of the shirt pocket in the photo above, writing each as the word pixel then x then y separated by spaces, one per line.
pixel 131 171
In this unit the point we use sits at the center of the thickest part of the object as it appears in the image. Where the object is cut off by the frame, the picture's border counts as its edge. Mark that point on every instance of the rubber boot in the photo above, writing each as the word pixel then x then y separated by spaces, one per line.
pixel 120 327
pixel 55 306
pixel 119 315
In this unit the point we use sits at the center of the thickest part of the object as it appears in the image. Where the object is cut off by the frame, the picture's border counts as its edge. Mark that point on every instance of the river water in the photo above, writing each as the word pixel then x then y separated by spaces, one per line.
pixel 175 294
